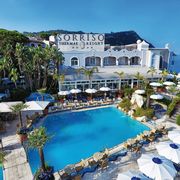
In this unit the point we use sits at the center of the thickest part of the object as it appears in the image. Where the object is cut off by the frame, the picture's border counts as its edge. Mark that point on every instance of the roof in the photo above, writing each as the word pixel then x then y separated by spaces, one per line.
pixel 107 73
pixel 36 105
pixel 6 106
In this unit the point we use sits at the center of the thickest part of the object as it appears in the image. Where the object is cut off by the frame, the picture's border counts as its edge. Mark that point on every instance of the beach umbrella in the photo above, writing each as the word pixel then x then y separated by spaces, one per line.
pixel 132 175
pixel 156 167
pixel 169 150
pixel 63 93
pixel 169 83
pixel 155 84
pixel 75 91
pixel 174 136
pixel 91 91
pixel 105 89
pixel 156 96
pixel 140 91
pixel 170 76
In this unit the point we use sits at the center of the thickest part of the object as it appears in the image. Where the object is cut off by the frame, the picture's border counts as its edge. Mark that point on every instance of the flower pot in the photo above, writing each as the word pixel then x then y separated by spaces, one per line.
pixel 22 137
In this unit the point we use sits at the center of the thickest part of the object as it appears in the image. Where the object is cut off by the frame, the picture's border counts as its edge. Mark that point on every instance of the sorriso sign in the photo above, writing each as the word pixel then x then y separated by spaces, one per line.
pixel 67 42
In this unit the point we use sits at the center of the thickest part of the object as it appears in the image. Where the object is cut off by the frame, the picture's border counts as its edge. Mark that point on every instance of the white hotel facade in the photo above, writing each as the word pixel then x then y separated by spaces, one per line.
pixel 89 50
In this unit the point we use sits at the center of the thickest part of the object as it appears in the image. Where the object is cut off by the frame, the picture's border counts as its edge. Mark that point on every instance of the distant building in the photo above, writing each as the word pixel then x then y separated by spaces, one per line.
pixel 174 63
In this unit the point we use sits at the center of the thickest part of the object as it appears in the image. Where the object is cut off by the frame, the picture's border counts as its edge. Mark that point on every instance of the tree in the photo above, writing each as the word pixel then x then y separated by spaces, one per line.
pixel 120 75
pixel 59 78
pixel 164 74
pixel 88 72
pixel 14 76
pixel 139 77
pixel 37 140
pixel 149 91
pixel 128 92
pixel 152 71
pixel 17 109
pixel 2 157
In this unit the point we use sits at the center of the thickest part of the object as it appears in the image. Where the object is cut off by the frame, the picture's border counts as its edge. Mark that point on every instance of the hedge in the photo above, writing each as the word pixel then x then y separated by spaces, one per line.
pixel 172 106
pixel 148 112
pixel 178 119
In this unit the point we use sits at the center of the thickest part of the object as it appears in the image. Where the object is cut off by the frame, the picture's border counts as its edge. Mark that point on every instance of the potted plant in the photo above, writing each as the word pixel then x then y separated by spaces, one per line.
pixel 22 134
pixel 37 140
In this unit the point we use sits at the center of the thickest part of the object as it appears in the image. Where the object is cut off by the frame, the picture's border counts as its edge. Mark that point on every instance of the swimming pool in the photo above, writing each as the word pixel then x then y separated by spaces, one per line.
pixel 79 135
pixel 1 173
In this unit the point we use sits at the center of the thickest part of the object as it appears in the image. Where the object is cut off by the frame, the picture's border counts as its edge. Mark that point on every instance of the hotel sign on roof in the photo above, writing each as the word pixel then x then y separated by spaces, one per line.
pixel 80 42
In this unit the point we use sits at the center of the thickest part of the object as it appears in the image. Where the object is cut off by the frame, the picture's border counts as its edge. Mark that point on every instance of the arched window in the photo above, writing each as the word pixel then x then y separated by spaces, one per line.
pixel 74 61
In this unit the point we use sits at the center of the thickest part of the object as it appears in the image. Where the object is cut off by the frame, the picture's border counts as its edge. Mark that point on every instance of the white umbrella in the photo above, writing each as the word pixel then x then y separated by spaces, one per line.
pixel 174 136
pixel 75 91
pixel 169 150
pixel 170 76
pixel 63 93
pixel 169 83
pixel 140 91
pixel 105 89
pixel 155 84
pixel 156 96
pixel 132 175
pixel 90 91
pixel 156 167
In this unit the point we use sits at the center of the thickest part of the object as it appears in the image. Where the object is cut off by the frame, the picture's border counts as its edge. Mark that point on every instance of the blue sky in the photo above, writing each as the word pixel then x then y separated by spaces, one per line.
pixel 155 20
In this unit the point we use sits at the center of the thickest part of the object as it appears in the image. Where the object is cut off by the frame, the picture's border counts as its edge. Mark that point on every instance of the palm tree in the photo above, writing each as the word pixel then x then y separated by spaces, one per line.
pixel 14 76
pixel 139 77
pixel 149 92
pixel 152 71
pixel 17 109
pixel 164 74
pixel 4 65
pixel 37 140
pixel 59 78
pixel 120 75
pixel 88 72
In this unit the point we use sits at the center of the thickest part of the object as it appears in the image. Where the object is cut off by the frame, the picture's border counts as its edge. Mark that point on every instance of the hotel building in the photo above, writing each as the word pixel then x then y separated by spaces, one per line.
pixel 89 50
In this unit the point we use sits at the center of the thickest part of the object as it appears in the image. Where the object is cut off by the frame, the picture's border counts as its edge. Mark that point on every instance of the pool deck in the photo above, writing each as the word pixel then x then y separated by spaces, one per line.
pixel 16 166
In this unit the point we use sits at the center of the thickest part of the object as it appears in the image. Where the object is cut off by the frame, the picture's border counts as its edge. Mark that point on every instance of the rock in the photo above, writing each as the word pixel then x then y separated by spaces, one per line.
pixel 137 99
pixel 142 119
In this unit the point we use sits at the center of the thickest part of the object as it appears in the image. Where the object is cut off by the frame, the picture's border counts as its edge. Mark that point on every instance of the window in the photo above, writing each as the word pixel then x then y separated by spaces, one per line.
pixel 74 61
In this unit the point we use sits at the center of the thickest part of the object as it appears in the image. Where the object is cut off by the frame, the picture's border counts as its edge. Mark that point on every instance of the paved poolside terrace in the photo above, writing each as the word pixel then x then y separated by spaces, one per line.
pixel 17 168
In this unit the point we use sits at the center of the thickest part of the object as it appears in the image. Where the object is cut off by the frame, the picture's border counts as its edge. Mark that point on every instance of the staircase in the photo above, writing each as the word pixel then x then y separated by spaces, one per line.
pixel 176 112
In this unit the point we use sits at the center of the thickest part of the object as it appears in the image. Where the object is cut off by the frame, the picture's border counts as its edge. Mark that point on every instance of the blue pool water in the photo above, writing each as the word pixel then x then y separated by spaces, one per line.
pixel 78 135
pixel 1 173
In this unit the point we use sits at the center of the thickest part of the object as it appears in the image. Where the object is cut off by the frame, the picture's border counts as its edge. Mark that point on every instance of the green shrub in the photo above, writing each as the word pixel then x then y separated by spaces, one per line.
pixel 125 104
pixel 148 112
pixel 178 119
pixel 172 106
pixel 165 101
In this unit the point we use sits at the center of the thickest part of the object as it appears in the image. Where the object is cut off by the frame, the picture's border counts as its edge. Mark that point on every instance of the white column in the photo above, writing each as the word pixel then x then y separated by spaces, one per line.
pixel 101 62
